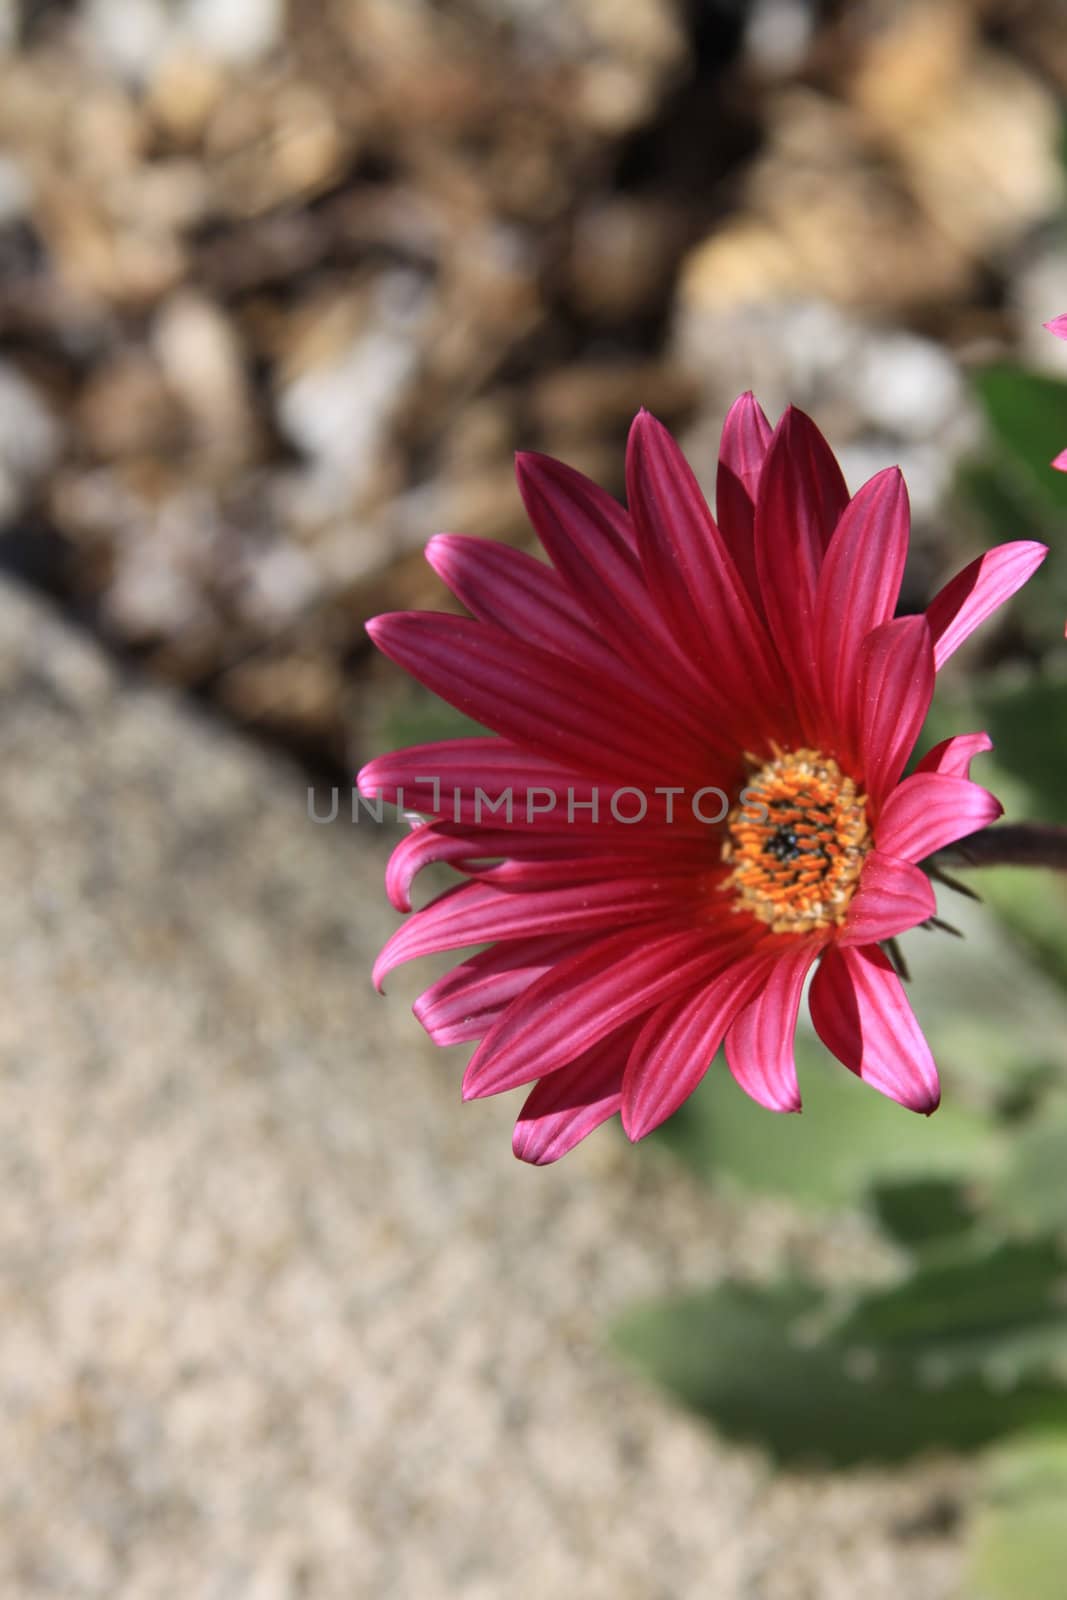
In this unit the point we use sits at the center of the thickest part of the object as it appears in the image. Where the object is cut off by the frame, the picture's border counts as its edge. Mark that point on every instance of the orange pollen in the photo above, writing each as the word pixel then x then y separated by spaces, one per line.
pixel 796 843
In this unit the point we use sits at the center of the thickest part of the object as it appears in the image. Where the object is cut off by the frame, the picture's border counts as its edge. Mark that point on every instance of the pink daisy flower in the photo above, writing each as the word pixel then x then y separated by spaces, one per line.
pixel 1058 326
pixel 701 733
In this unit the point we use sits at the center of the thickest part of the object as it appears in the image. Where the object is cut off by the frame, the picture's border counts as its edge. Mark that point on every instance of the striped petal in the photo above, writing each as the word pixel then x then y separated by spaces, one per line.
pixel 694 582
pixel 928 811
pixel 677 1044
pixel 568 1105
pixel 759 1042
pixel 475 913
pixel 615 981
pixel 534 698
pixel 858 588
pixel 896 685
pixel 746 435
pixel 484 782
pixel 801 497
pixel 520 594
pixel 976 592
pixel 892 897
pixel 953 757
pixel 465 1003
pixel 862 1014
pixel 590 541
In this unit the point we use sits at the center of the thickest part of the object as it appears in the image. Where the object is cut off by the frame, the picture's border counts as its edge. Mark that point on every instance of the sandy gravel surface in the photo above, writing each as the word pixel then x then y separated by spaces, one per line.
pixel 281 1320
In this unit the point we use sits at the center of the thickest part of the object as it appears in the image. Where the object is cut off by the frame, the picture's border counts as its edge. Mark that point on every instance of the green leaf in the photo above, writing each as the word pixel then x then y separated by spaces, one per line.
pixel 771 1365
pixel 847 1138
pixel 1028 725
pixel 919 1212
pixel 1027 413
pixel 992 1309
pixel 1033 905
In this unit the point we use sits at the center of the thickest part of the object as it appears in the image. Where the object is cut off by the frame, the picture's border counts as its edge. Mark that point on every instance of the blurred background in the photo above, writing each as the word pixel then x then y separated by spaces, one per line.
pixel 282 288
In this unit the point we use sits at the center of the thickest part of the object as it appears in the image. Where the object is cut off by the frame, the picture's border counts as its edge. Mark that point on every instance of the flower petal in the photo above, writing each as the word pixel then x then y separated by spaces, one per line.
pixel 1058 325
pixel 892 896
pixel 695 583
pixel 535 698
pixel 423 846
pixel 801 497
pixel 896 685
pixel 976 592
pixel 953 757
pixel 469 780
pixel 759 1042
pixel 858 585
pixel 862 1014
pixel 612 982
pixel 466 1002
pixel 524 859
pixel 520 594
pixel 590 541
pixel 677 1044
pixel 530 600
pixel 928 811
pixel 474 913
pixel 568 1105
pixel 746 434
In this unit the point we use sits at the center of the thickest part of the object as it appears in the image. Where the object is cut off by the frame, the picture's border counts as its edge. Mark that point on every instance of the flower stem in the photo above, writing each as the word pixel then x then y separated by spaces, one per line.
pixel 1016 844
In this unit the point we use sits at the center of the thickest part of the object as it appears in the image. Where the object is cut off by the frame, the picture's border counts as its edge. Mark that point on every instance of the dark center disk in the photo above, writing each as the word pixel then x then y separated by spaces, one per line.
pixel 783 844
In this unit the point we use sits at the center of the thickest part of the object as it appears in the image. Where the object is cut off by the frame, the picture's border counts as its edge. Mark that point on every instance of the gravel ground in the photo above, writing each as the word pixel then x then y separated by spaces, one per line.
pixel 279 1317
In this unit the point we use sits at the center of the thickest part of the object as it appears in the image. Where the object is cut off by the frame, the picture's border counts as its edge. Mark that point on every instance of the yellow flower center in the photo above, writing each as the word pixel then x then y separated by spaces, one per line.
pixel 796 843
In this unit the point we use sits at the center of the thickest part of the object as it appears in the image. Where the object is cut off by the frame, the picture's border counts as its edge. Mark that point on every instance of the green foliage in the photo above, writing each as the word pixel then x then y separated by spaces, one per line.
pixel 938 1361
pixel 1028 725
pixel 845 1139
pixel 922 1212
pixel 1014 492
pixel 1027 414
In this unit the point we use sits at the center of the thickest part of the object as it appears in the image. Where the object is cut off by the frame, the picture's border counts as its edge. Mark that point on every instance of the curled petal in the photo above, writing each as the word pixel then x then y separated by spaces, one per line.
pixel 759 1042
pixel 465 1003
pixel 564 1108
pixel 953 757
pixel 892 897
pixel 976 592
pixel 928 811
pixel 862 1014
